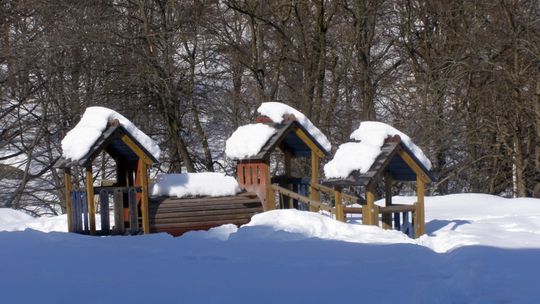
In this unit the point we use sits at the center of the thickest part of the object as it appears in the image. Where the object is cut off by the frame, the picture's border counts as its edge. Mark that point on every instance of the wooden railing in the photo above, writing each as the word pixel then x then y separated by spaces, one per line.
pixel 116 195
pixel 398 217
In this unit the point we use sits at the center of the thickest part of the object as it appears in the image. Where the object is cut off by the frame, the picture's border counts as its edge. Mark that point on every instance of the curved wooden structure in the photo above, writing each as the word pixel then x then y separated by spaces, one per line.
pixel 179 215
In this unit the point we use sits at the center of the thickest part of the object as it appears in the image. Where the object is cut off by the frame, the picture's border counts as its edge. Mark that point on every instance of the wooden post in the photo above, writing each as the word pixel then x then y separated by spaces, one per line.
pixel 144 197
pixel 90 199
pixel 67 189
pixel 313 193
pixel 368 209
pixel 270 195
pixel 419 219
pixel 387 217
pixel 340 216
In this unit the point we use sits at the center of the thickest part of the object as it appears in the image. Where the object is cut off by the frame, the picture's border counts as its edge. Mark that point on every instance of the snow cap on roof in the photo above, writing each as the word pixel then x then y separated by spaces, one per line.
pixel 248 140
pixel 195 184
pixel 360 155
pixel 78 142
pixel 276 110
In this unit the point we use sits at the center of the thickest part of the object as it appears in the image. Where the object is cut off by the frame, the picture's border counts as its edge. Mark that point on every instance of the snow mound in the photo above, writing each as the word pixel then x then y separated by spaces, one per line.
pixel 14 220
pixel 80 139
pixel 276 110
pixel 361 155
pixel 248 140
pixel 315 225
pixel 195 184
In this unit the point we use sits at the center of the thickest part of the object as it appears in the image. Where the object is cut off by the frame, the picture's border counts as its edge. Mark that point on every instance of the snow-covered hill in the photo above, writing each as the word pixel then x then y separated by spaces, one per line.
pixel 479 249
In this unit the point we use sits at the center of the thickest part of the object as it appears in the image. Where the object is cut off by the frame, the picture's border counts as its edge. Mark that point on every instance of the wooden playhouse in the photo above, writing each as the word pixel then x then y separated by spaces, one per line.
pixel 134 209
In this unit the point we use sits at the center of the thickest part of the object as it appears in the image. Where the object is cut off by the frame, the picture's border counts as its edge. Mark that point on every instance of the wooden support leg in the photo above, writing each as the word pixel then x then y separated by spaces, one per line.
pixel 340 216
pixel 67 195
pixel 369 209
pixel 90 199
pixel 419 220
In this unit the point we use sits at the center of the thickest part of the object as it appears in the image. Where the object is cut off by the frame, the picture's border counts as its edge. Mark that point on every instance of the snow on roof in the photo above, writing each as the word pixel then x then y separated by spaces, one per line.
pixel 80 139
pixel 360 155
pixel 248 140
pixel 195 184
pixel 276 110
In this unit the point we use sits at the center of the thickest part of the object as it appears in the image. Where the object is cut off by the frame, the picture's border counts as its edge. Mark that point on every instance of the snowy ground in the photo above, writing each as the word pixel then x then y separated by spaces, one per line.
pixel 479 249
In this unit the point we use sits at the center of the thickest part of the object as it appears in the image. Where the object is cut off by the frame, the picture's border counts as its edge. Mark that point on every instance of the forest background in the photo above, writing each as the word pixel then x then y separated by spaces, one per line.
pixel 462 78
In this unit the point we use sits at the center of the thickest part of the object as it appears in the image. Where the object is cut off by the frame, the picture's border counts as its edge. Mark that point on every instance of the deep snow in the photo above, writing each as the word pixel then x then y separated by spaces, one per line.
pixel 479 249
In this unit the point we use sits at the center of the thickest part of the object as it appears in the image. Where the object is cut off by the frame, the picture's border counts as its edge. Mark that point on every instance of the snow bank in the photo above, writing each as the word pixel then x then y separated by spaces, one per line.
pixel 276 110
pixel 14 220
pixel 314 225
pixel 80 139
pixel 195 184
pixel 248 140
pixel 361 155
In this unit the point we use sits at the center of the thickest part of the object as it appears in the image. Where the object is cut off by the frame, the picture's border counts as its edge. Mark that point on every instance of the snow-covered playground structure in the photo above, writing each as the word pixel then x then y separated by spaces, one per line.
pixel 265 152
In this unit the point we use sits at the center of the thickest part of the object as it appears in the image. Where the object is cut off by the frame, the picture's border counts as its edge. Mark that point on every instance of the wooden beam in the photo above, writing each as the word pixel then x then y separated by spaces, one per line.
pixel 345 196
pixel 144 196
pixel 296 196
pixel 90 199
pixel 419 216
pixel 133 146
pixel 313 193
pixel 340 216
pixel 416 168
pixel 312 146
pixel 67 189
pixel 369 208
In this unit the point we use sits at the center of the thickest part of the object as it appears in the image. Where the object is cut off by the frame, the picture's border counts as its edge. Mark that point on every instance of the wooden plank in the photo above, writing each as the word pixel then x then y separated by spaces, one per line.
pixel 353 210
pixel 180 208
pixel 329 190
pixel 90 199
pixel 67 194
pixel 419 217
pixel 191 225
pixel 405 225
pixel 397 208
pixel 296 196
pixel 111 189
pixel 205 212
pixel 133 214
pixel 313 193
pixel 201 219
pixel 144 196
pixel 118 212
pixel 104 212
pixel 84 212
pixel 203 200
pixel 78 212
pixel 75 211
pixel 73 214
pixel 204 206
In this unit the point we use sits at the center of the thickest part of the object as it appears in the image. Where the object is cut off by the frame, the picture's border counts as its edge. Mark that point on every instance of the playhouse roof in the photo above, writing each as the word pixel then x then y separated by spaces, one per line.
pixel 380 148
pixel 104 129
pixel 290 135
pixel 118 143
pixel 94 123
pixel 280 125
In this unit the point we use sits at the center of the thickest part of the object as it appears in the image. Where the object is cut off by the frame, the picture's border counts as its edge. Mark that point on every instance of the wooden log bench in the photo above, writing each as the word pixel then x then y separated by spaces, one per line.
pixel 177 216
